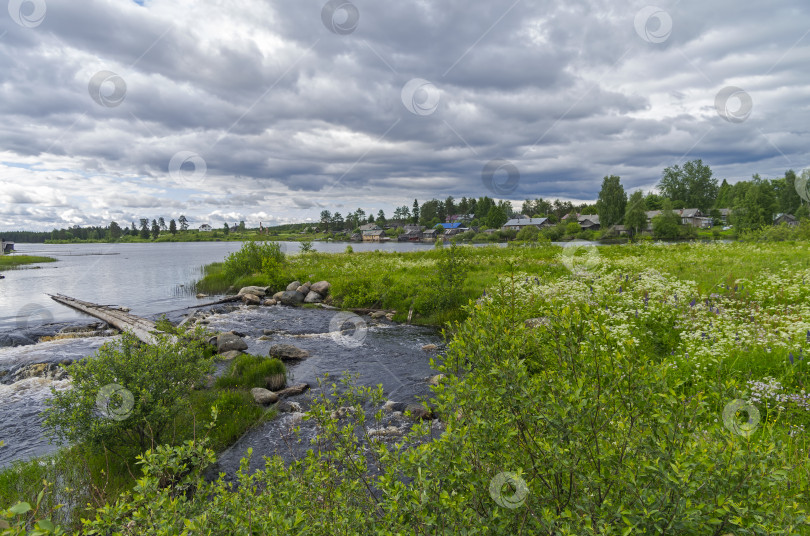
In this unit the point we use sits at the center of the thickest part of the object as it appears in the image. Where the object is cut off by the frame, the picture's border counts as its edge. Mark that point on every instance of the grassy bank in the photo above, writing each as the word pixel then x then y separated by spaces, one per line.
pixel 8 262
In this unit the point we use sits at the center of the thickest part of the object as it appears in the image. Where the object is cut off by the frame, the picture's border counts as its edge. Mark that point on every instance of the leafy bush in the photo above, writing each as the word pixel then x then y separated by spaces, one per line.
pixel 128 393
pixel 248 371
pixel 529 233
pixel 252 258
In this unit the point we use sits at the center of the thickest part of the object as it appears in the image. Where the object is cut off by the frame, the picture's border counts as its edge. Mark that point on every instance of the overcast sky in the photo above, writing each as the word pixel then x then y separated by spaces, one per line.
pixel 271 111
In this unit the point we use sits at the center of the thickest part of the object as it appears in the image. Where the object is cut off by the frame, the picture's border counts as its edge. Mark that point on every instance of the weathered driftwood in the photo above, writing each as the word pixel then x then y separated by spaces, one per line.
pixel 142 328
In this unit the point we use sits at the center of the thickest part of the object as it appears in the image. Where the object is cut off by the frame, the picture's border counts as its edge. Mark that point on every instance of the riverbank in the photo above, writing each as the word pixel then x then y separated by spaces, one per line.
pixel 677 371
pixel 8 262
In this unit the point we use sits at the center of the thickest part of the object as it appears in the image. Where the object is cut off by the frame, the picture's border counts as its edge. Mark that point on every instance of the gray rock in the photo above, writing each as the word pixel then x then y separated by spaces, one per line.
pixel 251 299
pixel 288 407
pixel 436 380
pixel 201 296
pixel 293 390
pixel 256 291
pixel 277 296
pixel 418 411
pixel 233 354
pixel 313 297
pixel 263 396
pixel 230 341
pixel 291 297
pixel 377 315
pixel 303 289
pixel 321 287
pixel 288 352
pixel 294 285
pixel 269 302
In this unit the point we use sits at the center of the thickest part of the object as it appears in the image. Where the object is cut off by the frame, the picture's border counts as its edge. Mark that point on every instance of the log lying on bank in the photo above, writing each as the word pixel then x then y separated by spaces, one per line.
pixel 142 328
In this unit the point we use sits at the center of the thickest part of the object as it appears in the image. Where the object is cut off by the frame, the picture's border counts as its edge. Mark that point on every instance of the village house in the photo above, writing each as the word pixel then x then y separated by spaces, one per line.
pixel 429 235
pixel 517 224
pixel 6 246
pixel 373 236
pixel 788 219
pixel 587 222
pixel 205 228
pixel 413 233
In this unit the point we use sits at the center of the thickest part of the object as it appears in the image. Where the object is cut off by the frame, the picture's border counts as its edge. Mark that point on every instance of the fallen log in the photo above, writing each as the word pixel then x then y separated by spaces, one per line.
pixel 142 328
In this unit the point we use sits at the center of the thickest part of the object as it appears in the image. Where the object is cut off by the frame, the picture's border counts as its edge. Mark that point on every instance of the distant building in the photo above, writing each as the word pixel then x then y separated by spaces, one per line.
pixel 430 235
pixel 205 228
pixel 6 246
pixel 517 224
pixel 373 236
pixel 788 219
pixel 369 227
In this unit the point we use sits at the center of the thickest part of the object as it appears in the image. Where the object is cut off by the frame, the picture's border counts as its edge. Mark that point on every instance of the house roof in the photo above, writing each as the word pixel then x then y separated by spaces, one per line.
pixel 369 227
pixel 594 218
pixel 524 222
pixel 430 232
pixel 690 212
pixel 446 226
pixel 785 216
pixel 374 232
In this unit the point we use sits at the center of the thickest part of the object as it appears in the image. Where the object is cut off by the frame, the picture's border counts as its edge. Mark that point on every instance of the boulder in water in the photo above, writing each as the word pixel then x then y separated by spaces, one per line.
pixel 292 297
pixel 313 297
pixel 293 390
pixel 288 352
pixel 230 341
pixel 251 299
pixel 256 291
pixel 263 396
pixel 294 285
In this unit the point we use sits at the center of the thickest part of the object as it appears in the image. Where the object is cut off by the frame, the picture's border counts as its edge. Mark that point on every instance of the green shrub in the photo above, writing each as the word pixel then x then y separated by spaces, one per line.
pixel 248 371
pixel 529 233
pixel 126 395
pixel 252 259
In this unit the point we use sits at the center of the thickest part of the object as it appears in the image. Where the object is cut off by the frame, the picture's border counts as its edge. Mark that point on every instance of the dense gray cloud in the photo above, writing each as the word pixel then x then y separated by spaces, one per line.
pixel 290 118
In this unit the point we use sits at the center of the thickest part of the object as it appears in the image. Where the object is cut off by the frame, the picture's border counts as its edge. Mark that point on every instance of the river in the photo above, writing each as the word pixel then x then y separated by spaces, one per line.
pixel 153 279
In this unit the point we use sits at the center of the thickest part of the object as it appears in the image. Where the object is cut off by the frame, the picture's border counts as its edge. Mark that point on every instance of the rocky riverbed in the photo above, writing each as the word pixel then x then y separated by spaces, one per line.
pixel 325 343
